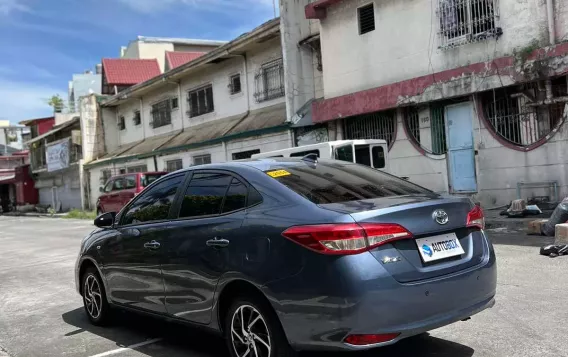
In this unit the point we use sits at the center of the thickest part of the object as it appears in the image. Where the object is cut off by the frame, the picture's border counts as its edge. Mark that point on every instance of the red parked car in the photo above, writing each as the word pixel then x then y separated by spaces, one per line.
pixel 119 190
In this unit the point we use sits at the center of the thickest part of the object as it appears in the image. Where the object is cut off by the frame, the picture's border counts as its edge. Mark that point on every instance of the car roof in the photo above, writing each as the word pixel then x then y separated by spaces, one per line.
pixel 260 164
pixel 140 173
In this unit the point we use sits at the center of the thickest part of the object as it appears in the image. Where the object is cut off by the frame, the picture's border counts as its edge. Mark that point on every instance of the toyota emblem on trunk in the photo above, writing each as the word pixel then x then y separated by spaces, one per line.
pixel 440 216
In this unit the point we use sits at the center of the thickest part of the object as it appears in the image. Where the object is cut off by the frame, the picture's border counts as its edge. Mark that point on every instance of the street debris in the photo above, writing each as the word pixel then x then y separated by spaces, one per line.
pixel 553 250
pixel 560 215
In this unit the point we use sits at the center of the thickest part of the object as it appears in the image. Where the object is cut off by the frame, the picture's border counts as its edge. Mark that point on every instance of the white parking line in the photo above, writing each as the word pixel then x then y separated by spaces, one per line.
pixel 131 347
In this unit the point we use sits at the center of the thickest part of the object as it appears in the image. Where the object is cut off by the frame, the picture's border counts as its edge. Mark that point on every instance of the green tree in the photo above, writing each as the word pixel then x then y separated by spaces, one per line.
pixel 56 102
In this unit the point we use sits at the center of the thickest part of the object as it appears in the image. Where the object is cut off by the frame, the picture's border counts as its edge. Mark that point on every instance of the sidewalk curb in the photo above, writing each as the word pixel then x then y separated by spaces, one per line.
pixel 34 214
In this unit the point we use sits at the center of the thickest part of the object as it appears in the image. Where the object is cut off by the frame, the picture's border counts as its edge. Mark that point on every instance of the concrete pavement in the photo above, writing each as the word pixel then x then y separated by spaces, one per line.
pixel 41 314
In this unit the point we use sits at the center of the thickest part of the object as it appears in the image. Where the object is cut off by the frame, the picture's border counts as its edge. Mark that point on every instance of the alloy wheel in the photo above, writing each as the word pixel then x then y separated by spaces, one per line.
pixel 92 296
pixel 249 333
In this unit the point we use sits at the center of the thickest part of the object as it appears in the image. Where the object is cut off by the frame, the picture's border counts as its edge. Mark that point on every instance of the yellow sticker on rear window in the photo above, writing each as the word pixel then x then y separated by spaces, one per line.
pixel 278 173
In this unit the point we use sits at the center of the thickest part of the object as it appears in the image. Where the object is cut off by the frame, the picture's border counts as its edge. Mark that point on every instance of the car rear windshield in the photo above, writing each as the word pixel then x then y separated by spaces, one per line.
pixel 147 179
pixel 334 183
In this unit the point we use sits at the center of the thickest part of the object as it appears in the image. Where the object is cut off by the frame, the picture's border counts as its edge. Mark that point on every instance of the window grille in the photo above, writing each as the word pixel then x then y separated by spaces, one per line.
pixel 516 115
pixel 135 169
pixel 121 123
pixel 427 130
pixel 235 84
pixel 161 114
pixel 137 118
pixel 202 159
pixel 174 165
pixel 366 19
pixel 269 81
pixel 245 154
pixel 200 101
pixel 466 21
pixel 381 125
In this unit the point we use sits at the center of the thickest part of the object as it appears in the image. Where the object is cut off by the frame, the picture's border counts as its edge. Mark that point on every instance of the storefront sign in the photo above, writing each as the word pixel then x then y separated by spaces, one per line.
pixel 57 156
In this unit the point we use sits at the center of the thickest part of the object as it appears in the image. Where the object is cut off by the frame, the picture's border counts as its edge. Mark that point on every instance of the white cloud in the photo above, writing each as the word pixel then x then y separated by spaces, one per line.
pixel 22 100
pixel 9 6
pixel 152 6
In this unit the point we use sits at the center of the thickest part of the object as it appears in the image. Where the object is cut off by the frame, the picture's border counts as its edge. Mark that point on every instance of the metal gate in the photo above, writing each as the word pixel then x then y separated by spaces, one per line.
pixel 381 125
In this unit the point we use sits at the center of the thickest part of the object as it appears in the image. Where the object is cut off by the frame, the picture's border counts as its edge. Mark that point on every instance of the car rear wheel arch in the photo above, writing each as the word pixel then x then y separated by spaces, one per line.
pixel 235 289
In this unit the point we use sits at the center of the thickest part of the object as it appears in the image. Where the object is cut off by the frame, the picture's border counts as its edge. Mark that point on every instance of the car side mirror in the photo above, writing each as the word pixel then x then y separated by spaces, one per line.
pixel 105 220
pixel 101 189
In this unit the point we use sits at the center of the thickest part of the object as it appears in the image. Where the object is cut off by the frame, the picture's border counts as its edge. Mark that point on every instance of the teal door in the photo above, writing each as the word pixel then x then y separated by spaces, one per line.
pixel 461 153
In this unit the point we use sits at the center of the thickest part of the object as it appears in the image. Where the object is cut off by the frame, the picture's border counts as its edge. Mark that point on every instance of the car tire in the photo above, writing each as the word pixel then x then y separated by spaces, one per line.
pixel 264 331
pixel 94 298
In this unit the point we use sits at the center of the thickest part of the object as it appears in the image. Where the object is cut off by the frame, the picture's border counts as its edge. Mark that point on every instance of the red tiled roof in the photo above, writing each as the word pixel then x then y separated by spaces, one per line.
pixel 121 71
pixel 176 59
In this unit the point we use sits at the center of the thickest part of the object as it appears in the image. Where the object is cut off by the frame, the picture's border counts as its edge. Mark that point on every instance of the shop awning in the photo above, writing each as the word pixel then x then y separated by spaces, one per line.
pixel 257 122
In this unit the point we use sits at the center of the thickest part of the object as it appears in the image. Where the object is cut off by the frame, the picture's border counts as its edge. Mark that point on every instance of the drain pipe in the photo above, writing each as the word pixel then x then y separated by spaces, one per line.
pixel 551 23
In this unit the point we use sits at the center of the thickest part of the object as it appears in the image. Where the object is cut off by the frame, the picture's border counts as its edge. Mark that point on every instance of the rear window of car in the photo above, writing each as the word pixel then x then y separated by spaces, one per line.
pixel 147 179
pixel 334 183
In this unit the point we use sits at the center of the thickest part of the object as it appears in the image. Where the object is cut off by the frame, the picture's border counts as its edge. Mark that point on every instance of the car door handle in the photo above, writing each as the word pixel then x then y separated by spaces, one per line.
pixel 218 243
pixel 152 245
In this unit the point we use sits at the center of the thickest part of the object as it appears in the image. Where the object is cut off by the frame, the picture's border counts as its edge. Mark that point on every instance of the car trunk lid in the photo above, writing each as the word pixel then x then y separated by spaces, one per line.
pixel 402 258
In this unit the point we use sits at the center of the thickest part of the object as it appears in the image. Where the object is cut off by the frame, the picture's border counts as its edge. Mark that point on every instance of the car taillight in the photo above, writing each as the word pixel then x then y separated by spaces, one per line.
pixel 344 239
pixel 476 218
pixel 363 340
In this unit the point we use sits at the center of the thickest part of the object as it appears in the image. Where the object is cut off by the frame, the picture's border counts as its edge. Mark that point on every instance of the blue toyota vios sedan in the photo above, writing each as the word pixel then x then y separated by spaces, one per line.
pixel 281 255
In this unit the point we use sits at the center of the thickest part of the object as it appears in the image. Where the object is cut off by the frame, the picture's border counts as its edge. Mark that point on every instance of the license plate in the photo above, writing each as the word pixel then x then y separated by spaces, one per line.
pixel 439 247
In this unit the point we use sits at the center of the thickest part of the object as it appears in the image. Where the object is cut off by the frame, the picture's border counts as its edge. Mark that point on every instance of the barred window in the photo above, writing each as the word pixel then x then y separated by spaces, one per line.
pixel 380 125
pixel 202 159
pixel 200 101
pixel 245 154
pixel 135 169
pixel 137 118
pixel 518 114
pixel 269 81
pixel 465 21
pixel 426 127
pixel 121 123
pixel 161 114
pixel 235 84
pixel 174 165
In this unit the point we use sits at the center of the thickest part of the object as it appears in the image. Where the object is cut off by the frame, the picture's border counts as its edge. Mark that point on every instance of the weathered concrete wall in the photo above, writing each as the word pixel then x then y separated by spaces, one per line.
pixel 395 52
pixel 406 161
pixel 499 168
pixel 92 135
pixel 299 62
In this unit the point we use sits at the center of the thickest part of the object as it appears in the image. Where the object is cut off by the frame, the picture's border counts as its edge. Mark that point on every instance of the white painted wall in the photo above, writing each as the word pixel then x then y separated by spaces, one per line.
pixel 226 105
pixel 406 161
pixel 193 48
pixel 405 39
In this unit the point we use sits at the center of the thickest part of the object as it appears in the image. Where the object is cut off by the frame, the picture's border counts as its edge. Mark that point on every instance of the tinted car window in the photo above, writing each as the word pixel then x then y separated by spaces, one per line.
pixel 147 179
pixel 254 197
pixel 204 195
pixel 363 155
pixel 154 204
pixel 333 183
pixel 344 153
pixel 118 184
pixel 379 157
pixel 109 186
pixel 236 198
pixel 130 182
pixel 304 153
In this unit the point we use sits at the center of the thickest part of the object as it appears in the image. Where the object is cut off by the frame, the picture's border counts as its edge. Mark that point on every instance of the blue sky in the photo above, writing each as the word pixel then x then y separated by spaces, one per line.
pixel 43 42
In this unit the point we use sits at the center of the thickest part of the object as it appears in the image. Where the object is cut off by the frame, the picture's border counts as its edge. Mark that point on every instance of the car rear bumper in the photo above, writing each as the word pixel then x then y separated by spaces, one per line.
pixel 369 301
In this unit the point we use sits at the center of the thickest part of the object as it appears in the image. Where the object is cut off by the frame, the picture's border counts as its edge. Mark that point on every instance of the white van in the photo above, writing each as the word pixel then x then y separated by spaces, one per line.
pixel 373 153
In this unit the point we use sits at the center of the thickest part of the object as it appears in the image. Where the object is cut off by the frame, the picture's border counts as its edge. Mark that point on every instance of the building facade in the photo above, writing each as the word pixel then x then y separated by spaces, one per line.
pixel 227 104
pixel 470 94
